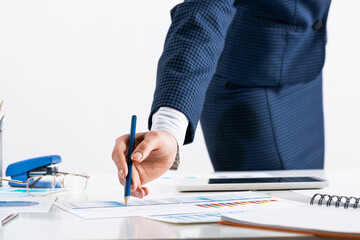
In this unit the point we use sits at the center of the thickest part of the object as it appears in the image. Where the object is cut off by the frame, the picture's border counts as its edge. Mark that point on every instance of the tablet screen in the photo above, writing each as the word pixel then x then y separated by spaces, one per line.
pixel 263 180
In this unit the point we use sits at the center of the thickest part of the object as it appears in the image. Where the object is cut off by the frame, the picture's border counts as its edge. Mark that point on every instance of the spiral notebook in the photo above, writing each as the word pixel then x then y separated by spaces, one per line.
pixel 326 215
pixel 332 196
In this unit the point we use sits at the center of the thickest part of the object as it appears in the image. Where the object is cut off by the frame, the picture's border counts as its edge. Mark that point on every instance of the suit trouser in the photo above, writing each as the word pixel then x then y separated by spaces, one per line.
pixel 264 128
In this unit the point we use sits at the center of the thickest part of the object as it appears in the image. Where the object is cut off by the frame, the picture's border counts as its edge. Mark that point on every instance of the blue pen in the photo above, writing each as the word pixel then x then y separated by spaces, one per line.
pixel 129 161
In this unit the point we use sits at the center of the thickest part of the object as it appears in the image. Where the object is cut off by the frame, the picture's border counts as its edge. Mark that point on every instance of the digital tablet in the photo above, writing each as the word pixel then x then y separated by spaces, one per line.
pixel 262 183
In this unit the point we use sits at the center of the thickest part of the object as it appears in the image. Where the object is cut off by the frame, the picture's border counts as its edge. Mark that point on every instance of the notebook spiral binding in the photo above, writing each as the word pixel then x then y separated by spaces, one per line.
pixel 329 199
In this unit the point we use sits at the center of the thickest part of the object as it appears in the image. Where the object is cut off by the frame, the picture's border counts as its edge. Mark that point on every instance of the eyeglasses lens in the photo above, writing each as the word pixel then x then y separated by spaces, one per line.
pixel 75 183
pixel 42 185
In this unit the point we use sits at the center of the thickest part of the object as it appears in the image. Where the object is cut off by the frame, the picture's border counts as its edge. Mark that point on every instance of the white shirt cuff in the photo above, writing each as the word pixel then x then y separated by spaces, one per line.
pixel 171 120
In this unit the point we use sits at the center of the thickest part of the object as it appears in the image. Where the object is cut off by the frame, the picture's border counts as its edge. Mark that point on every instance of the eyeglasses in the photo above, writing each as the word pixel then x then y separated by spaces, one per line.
pixel 45 184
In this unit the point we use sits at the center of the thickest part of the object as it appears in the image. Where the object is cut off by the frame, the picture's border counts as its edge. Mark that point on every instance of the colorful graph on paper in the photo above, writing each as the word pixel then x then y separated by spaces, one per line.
pixel 177 209
pixel 234 204
pixel 244 196
pixel 215 209
pixel 188 218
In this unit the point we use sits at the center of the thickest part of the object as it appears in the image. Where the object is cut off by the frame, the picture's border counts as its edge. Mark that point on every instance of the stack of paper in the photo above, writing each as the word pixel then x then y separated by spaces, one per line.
pixel 308 219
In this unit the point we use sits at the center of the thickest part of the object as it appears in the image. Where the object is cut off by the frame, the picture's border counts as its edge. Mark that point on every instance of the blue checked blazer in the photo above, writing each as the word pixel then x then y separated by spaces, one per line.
pixel 250 71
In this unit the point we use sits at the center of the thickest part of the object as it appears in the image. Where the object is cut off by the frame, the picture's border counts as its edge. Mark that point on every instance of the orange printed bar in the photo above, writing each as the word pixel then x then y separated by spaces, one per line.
pixel 234 204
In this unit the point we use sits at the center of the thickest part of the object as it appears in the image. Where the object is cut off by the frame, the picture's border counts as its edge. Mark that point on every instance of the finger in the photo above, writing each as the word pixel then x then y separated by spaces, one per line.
pixel 139 192
pixel 135 194
pixel 146 191
pixel 142 192
pixel 151 142
pixel 121 180
pixel 135 180
pixel 119 155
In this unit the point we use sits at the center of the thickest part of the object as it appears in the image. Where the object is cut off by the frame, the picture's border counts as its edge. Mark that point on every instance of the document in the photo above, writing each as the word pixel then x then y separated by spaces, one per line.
pixel 20 192
pixel 308 219
pixel 41 204
pixel 180 209
pixel 189 217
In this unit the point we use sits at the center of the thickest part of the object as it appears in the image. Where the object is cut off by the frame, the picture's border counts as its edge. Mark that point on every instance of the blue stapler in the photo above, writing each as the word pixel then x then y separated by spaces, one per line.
pixel 22 170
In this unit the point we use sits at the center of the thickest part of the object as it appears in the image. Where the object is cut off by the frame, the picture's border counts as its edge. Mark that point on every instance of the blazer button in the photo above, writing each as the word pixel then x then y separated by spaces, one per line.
pixel 318 25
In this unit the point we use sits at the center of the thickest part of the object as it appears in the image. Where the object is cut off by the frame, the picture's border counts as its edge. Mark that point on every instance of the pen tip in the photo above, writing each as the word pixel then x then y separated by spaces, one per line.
pixel 126 200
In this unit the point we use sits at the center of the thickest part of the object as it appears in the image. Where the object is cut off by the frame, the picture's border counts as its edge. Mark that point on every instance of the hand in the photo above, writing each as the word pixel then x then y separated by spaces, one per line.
pixel 153 155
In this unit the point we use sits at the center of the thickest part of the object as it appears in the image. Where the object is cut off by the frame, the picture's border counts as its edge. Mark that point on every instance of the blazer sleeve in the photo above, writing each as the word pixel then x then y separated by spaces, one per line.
pixel 192 48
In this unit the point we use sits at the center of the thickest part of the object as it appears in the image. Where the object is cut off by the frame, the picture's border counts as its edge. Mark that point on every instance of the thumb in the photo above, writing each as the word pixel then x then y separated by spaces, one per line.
pixel 142 151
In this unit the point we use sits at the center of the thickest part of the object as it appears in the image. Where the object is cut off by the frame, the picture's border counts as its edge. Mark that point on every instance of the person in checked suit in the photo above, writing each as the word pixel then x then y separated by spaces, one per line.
pixel 251 72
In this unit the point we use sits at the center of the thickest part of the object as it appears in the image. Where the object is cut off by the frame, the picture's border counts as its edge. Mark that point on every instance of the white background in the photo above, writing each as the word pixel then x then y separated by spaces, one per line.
pixel 72 73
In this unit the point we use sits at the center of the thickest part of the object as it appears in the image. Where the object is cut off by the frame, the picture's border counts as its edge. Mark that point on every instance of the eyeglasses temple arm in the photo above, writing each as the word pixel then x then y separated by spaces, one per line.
pixel 76 174
pixel 13 181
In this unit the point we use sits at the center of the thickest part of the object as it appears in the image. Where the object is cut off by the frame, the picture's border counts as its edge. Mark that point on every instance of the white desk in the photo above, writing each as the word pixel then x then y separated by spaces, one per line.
pixel 58 224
